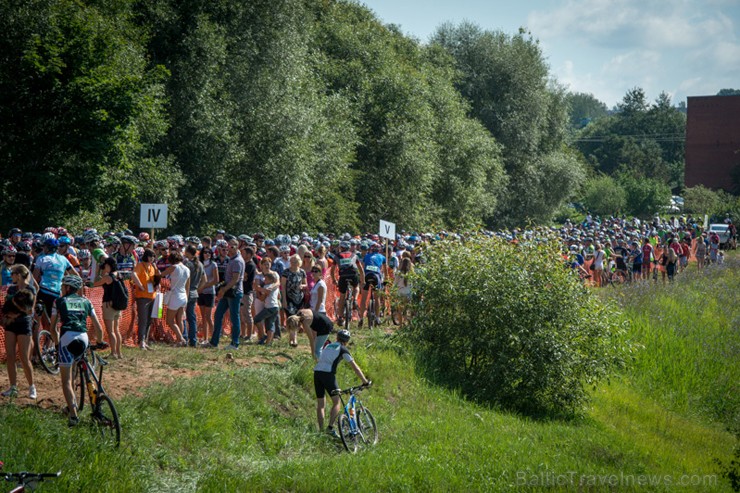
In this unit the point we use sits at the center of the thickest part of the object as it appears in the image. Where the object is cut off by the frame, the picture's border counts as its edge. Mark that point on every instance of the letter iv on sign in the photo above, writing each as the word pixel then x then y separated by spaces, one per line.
pixel 153 216
pixel 387 230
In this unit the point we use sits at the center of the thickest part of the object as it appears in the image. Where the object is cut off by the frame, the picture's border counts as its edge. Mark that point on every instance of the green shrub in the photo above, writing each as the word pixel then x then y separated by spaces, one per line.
pixel 509 325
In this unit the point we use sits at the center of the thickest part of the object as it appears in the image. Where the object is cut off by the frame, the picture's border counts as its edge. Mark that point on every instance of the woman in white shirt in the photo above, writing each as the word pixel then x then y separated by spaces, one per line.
pixel 177 297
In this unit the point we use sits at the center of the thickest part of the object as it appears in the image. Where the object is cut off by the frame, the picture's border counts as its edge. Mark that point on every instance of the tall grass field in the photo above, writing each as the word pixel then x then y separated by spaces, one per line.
pixel 665 424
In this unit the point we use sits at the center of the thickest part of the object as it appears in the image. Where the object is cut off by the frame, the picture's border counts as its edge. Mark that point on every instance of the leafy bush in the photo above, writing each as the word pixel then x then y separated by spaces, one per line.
pixel 509 325
pixel 702 200
pixel 603 195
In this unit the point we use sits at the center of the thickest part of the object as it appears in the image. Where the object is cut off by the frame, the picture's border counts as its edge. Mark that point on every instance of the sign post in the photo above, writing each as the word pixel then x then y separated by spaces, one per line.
pixel 153 216
pixel 387 231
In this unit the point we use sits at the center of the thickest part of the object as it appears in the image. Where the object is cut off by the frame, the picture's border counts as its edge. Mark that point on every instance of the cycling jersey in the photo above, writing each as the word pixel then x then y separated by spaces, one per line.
pixel 125 263
pixel 73 311
pixel 331 355
pixel 374 263
pixel 52 267
pixel 347 263
pixel 6 279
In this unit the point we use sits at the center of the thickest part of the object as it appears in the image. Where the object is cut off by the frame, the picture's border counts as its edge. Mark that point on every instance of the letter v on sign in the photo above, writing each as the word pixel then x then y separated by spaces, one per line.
pixel 387 230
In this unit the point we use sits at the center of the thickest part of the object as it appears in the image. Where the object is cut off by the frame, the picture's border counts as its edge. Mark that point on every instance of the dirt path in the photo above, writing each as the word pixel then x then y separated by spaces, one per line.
pixel 139 369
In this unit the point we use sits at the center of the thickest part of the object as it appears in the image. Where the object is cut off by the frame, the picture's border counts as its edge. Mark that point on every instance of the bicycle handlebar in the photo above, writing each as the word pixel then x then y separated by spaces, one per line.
pixel 26 477
pixel 352 390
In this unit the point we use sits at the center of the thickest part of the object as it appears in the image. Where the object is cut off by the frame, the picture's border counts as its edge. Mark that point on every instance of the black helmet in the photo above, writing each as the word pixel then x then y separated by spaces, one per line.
pixel 343 335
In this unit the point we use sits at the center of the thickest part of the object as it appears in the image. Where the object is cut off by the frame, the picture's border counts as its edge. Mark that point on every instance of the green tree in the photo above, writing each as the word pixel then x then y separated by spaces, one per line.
pixel 584 108
pixel 80 115
pixel 603 195
pixel 506 80
pixel 702 200
pixel 645 196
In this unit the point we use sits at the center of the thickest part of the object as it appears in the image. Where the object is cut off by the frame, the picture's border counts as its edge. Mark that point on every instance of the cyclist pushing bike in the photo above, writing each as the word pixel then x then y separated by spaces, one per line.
pixel 325 378
pixel 72 310
pixel 350 272
pixel 375 265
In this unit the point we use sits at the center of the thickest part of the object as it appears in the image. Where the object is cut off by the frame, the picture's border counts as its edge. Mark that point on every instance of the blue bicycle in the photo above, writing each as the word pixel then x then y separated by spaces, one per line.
pixel 356 423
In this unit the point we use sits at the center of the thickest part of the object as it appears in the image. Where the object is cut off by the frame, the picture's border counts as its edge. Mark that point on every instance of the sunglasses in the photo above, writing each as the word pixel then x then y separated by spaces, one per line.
pixel 316 271
pixel 308 256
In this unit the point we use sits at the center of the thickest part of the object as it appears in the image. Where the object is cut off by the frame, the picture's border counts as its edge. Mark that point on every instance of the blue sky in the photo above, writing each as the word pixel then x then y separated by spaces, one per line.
pixel 604 47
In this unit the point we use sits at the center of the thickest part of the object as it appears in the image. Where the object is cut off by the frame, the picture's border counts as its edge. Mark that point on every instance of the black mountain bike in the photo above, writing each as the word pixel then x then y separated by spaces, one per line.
pixel 85 380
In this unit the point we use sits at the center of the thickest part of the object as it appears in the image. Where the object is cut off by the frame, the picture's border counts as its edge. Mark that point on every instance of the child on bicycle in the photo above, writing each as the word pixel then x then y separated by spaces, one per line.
pixel 325 377
pixel 72 309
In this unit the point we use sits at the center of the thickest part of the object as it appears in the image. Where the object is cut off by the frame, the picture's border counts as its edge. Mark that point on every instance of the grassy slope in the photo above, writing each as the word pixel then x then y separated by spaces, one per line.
pixel 254 429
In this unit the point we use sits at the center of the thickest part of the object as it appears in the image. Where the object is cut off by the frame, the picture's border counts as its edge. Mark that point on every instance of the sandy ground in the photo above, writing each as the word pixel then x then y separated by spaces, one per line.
pixel 139 369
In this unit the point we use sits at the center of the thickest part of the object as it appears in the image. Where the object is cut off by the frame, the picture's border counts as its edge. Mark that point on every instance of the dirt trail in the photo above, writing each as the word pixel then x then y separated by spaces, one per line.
pixel 139 369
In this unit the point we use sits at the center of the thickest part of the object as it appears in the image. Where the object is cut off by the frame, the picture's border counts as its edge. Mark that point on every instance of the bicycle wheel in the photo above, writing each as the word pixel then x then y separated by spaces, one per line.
pixel 371 313
pixel 366 423
pixel 78 386
pixel 105 417
pixel 46 351
pixel 348 308
pixel 349 439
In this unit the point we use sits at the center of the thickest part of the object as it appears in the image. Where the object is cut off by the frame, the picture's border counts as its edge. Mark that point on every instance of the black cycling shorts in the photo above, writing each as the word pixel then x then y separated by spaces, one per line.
pixel 372 279
pixel 323 382
pixel 47 299
pixel 345 280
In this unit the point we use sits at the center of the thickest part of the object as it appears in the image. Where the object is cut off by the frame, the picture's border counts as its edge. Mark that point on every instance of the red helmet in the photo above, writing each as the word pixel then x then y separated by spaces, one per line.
pixel 143 236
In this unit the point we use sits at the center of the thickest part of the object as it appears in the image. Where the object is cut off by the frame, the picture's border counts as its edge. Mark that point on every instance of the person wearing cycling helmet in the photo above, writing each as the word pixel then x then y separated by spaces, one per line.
pixel 15 235
pixel 144 239
pixel 350 272
pixel 375 265
pixel 72 309
pixel 66 250
pixel 23 255
pixel 85 268
pixel 325 377
pixel 9 253
pixel 49 270
pixel 126 257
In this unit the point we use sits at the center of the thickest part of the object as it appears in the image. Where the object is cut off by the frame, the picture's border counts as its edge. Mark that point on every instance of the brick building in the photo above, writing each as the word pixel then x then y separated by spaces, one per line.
pixel 712 141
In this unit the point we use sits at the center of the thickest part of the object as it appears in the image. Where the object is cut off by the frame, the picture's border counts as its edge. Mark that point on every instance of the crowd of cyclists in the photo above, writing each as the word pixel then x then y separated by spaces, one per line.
pixel 272 287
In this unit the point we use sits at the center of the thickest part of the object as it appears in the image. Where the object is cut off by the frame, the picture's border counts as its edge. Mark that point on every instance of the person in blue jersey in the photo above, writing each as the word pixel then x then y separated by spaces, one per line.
pixel 375 264
pixel 325 377
pixel 49 270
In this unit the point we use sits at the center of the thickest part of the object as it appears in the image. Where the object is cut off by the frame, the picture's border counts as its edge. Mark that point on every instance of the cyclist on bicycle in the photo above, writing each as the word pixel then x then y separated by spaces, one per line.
pixel 72 309
pixel 49 270
pixel 350 272
pixel 375 265
pixel 325 378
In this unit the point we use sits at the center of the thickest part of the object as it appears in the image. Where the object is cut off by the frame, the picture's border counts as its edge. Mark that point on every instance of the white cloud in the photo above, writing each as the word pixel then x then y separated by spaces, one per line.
pixel 684 47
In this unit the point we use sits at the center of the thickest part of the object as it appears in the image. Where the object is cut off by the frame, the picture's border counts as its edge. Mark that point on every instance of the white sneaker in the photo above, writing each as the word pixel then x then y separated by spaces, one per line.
pixel 231 347
pixel 32 392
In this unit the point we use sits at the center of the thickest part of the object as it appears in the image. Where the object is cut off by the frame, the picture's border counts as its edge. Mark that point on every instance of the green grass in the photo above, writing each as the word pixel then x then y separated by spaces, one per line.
pixel 690 335
pixel 253 428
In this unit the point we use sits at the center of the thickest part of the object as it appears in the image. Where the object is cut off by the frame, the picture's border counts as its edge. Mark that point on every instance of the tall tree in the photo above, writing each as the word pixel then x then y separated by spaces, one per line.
pixel 506 79
pixel 80 113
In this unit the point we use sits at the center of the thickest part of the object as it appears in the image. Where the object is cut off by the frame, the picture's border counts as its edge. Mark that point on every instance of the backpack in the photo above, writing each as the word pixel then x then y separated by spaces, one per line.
pixel 120 295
